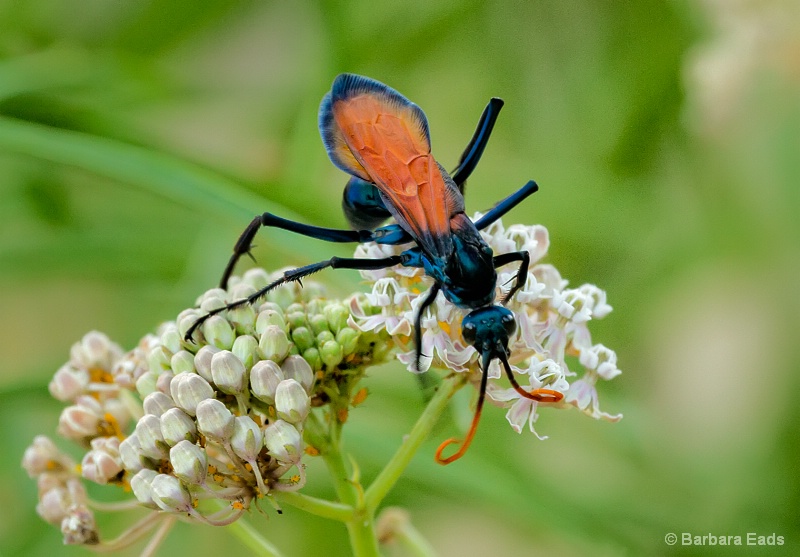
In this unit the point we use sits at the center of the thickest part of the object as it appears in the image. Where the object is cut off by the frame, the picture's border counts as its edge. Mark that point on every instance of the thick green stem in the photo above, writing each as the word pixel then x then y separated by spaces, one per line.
pixel 395 467
pixel 360 527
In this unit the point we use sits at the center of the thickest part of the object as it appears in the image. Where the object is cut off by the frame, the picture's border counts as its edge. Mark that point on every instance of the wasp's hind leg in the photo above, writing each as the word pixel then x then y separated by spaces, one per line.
pixel 391 234
pixel 300 273
pixel 525 258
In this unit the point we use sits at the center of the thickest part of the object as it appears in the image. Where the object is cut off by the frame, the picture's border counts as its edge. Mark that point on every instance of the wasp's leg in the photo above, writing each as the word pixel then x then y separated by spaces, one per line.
pixel 300 273
pixel 506 205
pixel 472 154
pixel 429 299
pixel 391 234
pixel 522 273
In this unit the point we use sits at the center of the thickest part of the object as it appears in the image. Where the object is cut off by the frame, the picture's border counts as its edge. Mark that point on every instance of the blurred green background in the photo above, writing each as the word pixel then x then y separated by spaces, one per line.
pixel 138 138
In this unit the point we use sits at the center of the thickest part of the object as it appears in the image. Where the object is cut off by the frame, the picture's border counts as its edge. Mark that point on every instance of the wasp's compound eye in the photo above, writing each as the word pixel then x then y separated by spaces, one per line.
pixel 468 331
pixel 509 323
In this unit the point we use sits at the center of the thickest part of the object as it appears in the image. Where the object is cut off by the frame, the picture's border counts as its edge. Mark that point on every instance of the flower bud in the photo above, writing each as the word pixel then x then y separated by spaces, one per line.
pixel 303 338
pixel 324 337
pixel 186 319
pixel 130 453
pixel 141 485
pixel 202 361
pixel 212 301
pixel 291 401
pixel 95 351
pixel 228 373
pixel 296 316
pixel 336 315
pixel 264 379
pixel 245 348
pixel 103 463
pixel 312 357
pixel 218 332
pixel 297 368
pixel 189 462
pixel 318 324
pixel 283 441
pixel 148 430
pixel 347 339
pixel 163 381
pixel 170 338
pixel 256 277
pixel 157 403
pixel 182 361
pixel 82 420
pixel 68 383
pixel 331 354
pixel 188 390
pixel 53 505
pixel 247 439
pixel 170 494
pixel 158 359
pixel 267 317
pixel 243 318
pixel 214 420
pixel 146 383
pixel 274 344
pixel 177 426
pixel 78 526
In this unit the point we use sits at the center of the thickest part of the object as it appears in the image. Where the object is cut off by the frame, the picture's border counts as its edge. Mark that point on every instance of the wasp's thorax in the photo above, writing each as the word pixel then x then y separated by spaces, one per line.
pixel 469 276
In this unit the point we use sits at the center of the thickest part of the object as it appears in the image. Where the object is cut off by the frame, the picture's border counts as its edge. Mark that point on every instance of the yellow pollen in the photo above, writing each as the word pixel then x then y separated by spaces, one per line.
pixel 360 396
pixel 294 479
pixel 238 505
pixel 311 451
pixel 445 327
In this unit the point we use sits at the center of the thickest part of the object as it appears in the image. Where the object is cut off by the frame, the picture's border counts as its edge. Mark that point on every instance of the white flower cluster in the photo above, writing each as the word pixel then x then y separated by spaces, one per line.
pixel 551 326
pixel 222 417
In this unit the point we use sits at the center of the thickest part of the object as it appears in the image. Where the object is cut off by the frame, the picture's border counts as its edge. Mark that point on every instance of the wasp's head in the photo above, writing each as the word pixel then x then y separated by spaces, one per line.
pixel 488 329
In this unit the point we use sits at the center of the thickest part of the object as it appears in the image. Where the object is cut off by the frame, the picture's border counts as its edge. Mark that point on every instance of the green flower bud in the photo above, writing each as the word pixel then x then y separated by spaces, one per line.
pixel 170 494
pixel 185 322
pixel 202 361
pixel 188 390
pixel 218 332
pixel 296 319
pixel 243 319
pixel 271 306
pixel 312 357
pixel 267 317
pixel 274 344
pixel 324 337
pixel 141 485
pixel 228 373
pixel 312 290
pixel 292 402
pixel 152 443
pixel 164 380
pixel 331 354
pixel 245 348
pixel 319 324
pixel 256 277
pixel 189 462
pixel 157 403
pixel 284 296
pixel 264 379
pixel 247 439
pixel 214 420
pixel 241 291
pixel 177 426
pixel 182 361
pixel 170 338
pixel 297 368
pixel 348 340
pixel 212 302
pixel 146 383
pixel 337 316
pixel 303 338
pixel 158 359
pixel 283 442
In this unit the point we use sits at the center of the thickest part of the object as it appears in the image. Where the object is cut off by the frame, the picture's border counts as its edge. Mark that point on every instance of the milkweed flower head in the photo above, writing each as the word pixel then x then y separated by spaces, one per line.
pixel 181 423
pixel 552 327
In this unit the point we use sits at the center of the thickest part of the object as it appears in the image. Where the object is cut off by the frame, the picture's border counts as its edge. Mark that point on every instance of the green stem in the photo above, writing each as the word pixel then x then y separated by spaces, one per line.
pixel 314 505
pixel 360 527
pixel 250 537
pixel 398 463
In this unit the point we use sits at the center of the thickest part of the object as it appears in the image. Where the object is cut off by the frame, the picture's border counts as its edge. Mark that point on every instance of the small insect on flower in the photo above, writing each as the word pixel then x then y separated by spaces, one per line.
pixel 381 139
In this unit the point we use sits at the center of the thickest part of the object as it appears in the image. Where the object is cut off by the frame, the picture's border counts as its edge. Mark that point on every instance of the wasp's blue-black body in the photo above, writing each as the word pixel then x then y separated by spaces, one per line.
pixel 381 139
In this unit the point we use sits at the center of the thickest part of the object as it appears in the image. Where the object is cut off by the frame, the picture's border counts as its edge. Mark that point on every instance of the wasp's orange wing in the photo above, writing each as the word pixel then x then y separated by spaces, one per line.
pixel 373 132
